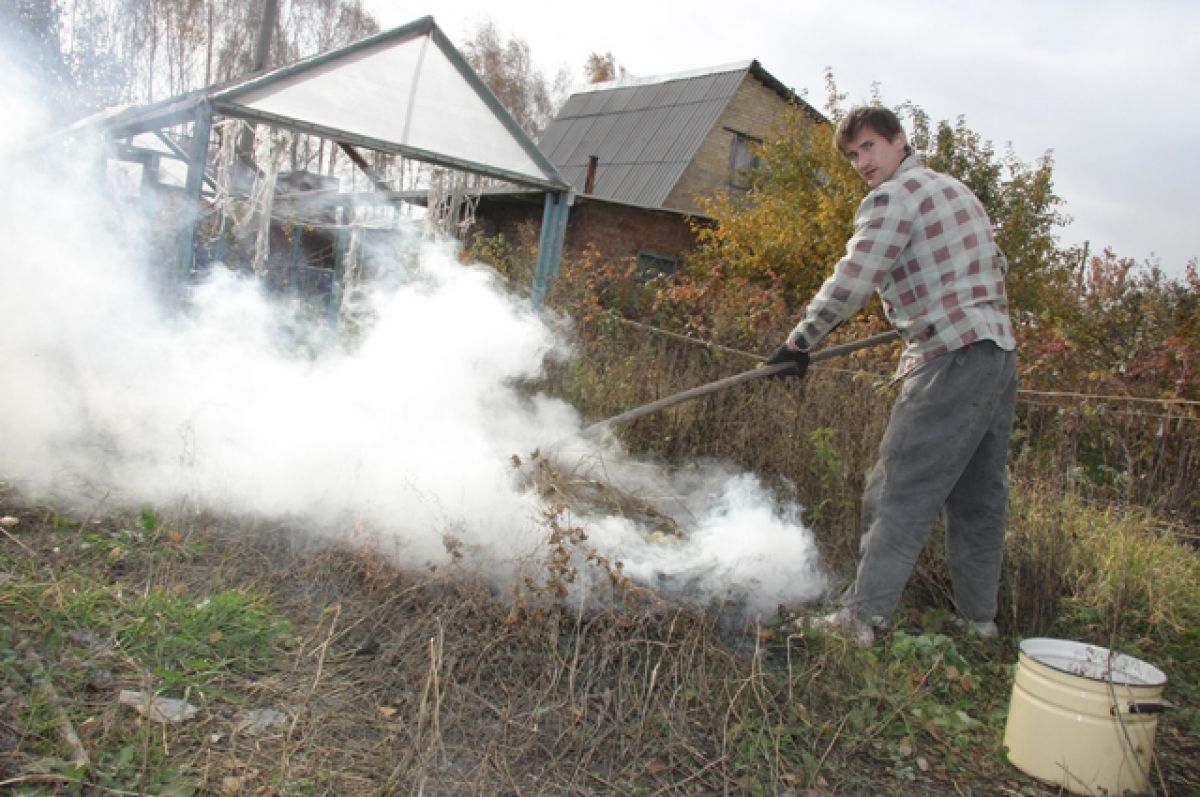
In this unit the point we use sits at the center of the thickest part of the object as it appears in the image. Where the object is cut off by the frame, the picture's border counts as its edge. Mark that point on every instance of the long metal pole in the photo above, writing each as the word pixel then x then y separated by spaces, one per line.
pixel 761 372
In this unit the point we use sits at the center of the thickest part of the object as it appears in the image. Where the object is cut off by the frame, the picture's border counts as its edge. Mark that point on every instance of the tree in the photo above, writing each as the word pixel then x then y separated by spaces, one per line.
pixel 1132 330
pixel 793 224
pixel 507 69
pixel 306 27
pixel 143 50
pixel 33 27
pixel 602 68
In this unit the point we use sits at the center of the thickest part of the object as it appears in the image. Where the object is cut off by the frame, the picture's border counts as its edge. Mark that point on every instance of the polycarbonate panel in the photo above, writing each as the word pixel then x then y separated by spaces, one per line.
pixel 406 93
pixel 450 117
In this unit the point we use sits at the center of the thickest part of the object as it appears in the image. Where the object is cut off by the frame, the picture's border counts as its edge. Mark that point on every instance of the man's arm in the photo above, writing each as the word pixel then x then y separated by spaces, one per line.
pixel 882 230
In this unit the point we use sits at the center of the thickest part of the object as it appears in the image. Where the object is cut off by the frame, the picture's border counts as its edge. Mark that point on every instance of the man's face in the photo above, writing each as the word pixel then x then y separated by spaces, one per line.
pixel 874 157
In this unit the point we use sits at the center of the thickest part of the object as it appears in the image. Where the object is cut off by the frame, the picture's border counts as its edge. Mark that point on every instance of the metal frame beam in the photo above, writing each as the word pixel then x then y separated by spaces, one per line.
pixel 236 111
pixel 197 162
pixel 550 244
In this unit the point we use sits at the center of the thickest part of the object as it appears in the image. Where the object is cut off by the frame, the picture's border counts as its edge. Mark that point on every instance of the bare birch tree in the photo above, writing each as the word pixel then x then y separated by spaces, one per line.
pixel 507 68
pixel 144 50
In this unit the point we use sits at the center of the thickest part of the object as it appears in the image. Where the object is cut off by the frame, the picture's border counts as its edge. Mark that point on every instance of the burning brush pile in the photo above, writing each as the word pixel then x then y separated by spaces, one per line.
pixel 703 538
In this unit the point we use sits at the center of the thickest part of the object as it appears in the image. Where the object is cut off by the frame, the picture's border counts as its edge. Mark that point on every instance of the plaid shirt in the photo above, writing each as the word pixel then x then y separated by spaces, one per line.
pixel 924 242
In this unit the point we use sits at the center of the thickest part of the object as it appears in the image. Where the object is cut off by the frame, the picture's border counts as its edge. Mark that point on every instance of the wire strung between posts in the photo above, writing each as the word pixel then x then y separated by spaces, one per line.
pixel 677 336
pixel 1166 402
pixel 1102 397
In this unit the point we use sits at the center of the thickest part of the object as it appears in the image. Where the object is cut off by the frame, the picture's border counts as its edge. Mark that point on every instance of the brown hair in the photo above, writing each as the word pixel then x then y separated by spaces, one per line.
pixel 876 117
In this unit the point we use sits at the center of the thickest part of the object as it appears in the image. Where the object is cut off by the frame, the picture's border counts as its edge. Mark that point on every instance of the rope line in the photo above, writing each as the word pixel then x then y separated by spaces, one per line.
pixel 1142 399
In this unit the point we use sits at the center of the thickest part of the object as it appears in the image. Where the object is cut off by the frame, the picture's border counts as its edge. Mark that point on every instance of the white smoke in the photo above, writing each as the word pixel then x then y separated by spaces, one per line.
pixel 403 441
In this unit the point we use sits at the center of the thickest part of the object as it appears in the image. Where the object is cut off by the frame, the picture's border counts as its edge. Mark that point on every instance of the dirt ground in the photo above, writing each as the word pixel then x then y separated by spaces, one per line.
pixel 427 682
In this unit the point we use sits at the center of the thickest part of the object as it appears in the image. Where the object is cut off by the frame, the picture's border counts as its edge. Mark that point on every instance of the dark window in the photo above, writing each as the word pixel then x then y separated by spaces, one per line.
pixel 742 158
pixel 651 265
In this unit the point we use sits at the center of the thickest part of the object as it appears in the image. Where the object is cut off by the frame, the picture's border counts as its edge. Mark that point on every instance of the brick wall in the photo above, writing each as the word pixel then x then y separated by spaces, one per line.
pixel 616 232
pixel 619 232
pixel 752 111
pixel 500 217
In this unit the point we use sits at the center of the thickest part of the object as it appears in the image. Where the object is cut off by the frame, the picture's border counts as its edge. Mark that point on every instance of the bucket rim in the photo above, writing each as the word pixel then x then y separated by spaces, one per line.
pixel 1092 662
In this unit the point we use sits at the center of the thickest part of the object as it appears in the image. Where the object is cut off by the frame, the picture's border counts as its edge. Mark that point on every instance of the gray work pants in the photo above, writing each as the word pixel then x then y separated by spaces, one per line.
pixel 946 445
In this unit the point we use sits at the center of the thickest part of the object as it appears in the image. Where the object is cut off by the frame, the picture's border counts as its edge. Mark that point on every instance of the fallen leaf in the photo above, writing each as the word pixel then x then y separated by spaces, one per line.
pixel 261 719
pixel 387 711
pixel 158 709
pixel 8 521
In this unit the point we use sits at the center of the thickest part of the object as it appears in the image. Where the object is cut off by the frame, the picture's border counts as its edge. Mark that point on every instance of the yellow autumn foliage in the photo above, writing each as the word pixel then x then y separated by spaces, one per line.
pixel 792 225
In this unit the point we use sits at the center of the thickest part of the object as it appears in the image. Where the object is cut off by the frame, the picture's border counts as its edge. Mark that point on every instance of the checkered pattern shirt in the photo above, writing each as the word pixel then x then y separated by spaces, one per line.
pixel 924 242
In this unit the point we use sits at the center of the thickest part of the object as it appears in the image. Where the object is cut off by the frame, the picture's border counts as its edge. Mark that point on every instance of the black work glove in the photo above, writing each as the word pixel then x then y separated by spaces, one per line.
pixel 798 357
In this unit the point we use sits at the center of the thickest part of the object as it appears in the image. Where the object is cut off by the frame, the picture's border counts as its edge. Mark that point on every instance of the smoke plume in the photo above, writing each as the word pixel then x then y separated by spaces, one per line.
pixel 403 441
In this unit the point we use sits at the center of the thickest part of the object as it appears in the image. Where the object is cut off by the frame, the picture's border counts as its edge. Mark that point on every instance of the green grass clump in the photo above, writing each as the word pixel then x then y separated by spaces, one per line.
pixel 190 642
pixel 186 642
pixel 1073 564
pixel 1132 576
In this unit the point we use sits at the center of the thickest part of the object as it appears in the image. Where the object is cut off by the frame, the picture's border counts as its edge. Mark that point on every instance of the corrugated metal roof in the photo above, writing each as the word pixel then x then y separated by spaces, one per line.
pixel 643 132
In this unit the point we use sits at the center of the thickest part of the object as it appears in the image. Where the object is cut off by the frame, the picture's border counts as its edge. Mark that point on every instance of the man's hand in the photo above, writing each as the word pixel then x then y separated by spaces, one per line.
pixel 784 354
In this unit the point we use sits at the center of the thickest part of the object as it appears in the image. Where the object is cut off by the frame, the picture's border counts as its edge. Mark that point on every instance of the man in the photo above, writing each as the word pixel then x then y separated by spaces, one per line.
pixel 924 243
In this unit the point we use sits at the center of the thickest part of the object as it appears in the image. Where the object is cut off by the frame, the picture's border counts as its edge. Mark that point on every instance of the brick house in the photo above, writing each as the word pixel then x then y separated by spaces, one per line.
pixel 637 152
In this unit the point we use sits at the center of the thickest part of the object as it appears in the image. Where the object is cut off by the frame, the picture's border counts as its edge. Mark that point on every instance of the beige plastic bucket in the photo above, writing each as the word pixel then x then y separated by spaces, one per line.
pixel 1082 718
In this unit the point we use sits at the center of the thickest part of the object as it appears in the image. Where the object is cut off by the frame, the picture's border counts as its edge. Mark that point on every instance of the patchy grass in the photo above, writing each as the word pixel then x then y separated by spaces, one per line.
pixel 330 672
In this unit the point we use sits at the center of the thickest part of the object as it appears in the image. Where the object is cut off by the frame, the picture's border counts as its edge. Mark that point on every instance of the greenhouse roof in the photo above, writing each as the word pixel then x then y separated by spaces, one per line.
pixel 405 91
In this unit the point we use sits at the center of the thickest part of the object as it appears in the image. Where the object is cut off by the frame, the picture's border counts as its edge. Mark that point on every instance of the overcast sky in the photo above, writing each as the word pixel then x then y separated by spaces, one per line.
pixel 1108 85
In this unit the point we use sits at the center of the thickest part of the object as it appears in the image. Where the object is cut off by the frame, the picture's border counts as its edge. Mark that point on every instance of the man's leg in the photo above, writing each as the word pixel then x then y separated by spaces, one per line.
pixel 977 510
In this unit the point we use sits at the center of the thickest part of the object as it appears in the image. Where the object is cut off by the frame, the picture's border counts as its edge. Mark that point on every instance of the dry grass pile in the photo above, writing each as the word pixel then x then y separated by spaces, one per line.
pixel 563 487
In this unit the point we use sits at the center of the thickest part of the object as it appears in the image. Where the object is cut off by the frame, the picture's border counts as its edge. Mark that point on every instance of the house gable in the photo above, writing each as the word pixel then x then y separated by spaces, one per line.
pixel 750 114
